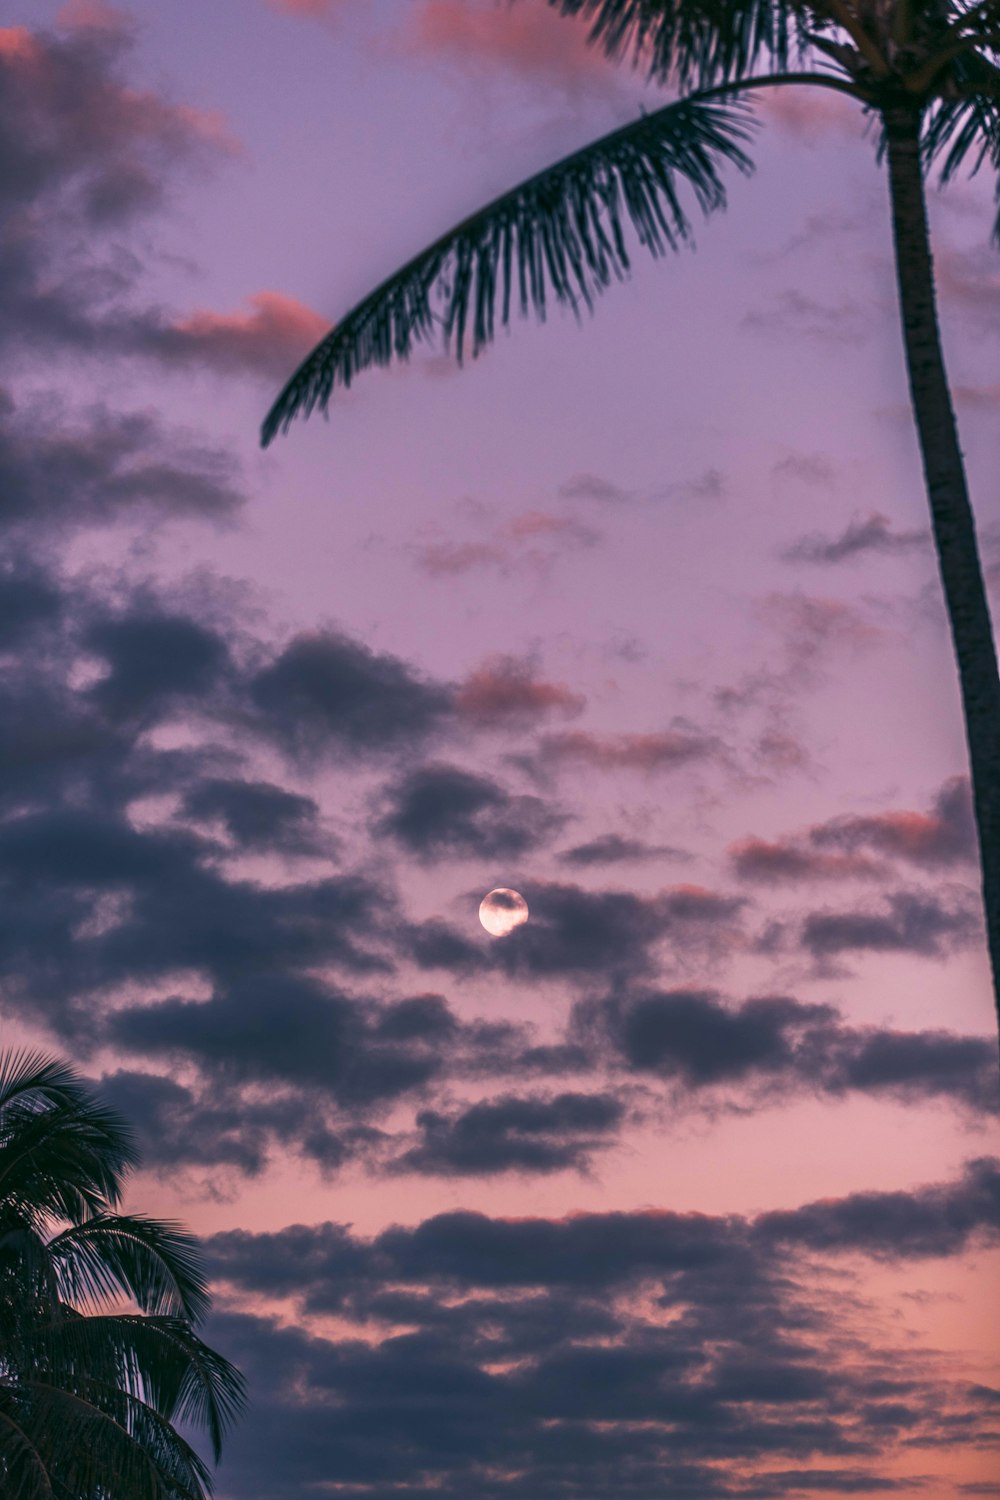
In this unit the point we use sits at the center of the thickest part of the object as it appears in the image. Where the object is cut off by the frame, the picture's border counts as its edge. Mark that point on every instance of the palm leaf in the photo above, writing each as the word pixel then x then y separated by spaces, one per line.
pixel 155 1262
pixel 96 1439
pixel 695 43
pixel 962 130
pixel 159 1358
pixel 66 1160
pixel 25 1476
pixel 559 235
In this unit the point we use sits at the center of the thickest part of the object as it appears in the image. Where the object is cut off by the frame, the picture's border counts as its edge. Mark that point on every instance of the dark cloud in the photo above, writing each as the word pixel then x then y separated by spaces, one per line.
pixel 154 659
pixel 648 1353
pixel 774 1044
pixel 873 533
pixel 84 154
pixel 258 815
pixel 939 1220
pixel 57 469
pixel 286 1029
pixel 692 1035
pixel 438 811
pixel 613 848
pixel 583 934
pixel 28 599
pixel 915 922
pixel 514 1134
pixel 327 693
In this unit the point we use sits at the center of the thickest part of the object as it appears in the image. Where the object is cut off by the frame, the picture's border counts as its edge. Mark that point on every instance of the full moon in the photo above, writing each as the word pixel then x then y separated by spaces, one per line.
pixel 502 910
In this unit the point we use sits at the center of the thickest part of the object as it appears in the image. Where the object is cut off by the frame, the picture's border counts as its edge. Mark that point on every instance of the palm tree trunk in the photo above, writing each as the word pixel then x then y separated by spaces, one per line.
pixel 947 491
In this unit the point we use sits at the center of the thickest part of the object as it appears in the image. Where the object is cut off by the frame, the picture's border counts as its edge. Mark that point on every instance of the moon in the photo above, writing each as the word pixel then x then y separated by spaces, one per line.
pixel 502 910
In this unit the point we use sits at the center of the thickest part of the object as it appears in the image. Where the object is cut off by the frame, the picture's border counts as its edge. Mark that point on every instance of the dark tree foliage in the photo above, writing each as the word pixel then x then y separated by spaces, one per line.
pixel 99 1358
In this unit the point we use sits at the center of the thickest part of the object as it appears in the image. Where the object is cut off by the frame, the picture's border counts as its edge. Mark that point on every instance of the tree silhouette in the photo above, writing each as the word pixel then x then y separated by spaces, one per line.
pixel 924 71
pixel 90 1387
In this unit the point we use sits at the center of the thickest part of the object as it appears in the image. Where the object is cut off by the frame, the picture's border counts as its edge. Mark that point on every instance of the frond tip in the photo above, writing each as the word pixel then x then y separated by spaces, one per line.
pixel 560 235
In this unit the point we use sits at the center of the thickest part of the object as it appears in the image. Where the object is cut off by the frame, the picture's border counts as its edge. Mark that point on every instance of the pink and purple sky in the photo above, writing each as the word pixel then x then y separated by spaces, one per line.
pixel 688 1189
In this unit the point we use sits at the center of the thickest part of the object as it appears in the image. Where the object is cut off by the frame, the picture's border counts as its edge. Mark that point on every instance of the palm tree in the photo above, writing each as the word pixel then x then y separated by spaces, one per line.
pixel 924 71
pixel 98 1353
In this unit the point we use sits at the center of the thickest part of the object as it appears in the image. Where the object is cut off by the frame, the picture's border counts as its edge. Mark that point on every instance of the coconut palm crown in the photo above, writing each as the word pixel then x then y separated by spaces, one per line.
pixel 99 1357
pixel 924 72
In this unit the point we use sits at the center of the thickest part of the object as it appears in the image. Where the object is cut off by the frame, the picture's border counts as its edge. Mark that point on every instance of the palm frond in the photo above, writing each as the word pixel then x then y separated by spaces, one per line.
pixel 67 1159
pixel 560 235
pixel 99 1440
pixel 25 1476
pixel 158 1358
pixel 962 131
pixel 695 43
pixel 155 1262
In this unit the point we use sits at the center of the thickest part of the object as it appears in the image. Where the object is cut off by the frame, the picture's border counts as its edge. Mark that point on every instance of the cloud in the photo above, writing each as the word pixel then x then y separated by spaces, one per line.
pixel 327 693
pixel 505 690
pixel 594 487
pixel 528 43
pixel 80 146
pixel 806 468
pixel 613 848
pixel 154 659
pixel 58 469
pixel 944 836
pixel 773 861
pixel 29 600
pixel 269 339
pixel 812 115
pixel 645 1353
pixel 795 314
pixel 933 1221
pixel 841 848
pixel 440 810
pixel 514 1134
pixel 289 1030
pixel 862 535
pixel 665 750
pixel 531 542
pixel 775 1045
pixel 258 815
pixel 692 1035
pixel 589 935
pixel 917 922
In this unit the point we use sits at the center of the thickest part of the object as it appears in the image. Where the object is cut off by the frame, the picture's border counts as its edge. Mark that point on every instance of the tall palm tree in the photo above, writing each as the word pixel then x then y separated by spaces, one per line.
pixel 926 72
pixel 98 1354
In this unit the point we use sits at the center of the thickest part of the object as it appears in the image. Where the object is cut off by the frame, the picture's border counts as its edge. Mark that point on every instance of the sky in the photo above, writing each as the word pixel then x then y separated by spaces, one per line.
pixel 689 1188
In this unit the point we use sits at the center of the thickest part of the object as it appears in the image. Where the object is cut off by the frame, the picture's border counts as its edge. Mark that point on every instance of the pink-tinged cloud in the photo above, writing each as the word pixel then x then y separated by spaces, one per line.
pixel 92 15
pixel 268 338
pixel 766 861
pixel 506 691
pixel 842 848
pixel 533 541
pixel 66 89
pixel 628 752
pixel 527 40
pixel 309 10
pixel 810 114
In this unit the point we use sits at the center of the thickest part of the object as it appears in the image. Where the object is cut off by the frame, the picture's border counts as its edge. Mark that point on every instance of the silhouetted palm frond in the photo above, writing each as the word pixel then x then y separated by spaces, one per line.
pixel 560 235
pixel 696 43
pixel 88 1400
